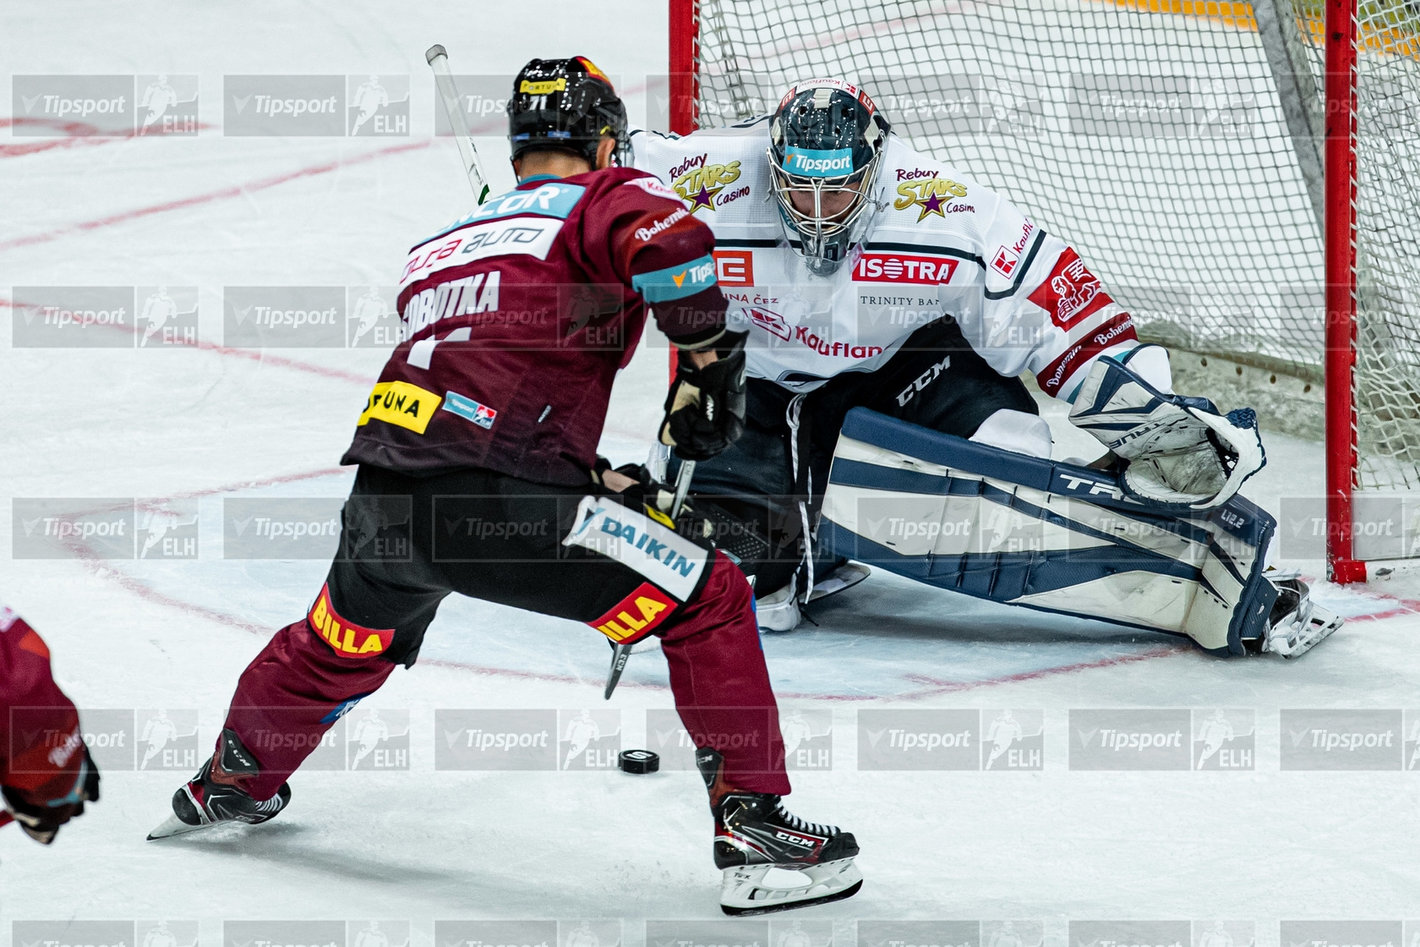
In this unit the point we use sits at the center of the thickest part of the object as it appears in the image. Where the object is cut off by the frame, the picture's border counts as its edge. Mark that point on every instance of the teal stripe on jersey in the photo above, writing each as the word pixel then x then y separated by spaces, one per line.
pixel 676 282
pixel 550 200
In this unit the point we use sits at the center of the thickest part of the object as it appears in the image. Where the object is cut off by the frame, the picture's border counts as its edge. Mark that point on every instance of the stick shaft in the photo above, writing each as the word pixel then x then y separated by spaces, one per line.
pixel 463 137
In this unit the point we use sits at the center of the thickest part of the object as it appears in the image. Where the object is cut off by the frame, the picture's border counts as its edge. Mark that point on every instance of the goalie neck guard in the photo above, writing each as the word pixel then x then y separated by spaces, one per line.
pixel 826 143
pixel 566 104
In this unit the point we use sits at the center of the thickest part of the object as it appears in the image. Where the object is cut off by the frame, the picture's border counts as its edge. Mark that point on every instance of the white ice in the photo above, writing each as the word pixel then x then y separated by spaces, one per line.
pixel 425 845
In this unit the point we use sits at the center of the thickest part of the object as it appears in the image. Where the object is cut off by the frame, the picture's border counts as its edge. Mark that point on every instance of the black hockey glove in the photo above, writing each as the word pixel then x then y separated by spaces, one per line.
pixel 41 818
pixel 705 409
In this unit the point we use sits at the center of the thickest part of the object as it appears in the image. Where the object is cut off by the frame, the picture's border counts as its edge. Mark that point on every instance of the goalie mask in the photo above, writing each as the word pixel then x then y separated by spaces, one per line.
pixel 566 104
pixel 826 143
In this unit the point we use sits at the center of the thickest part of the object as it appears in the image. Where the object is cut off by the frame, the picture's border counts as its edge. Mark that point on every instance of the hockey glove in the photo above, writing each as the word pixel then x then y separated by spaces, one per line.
pixel 41 818
pixel 705 409
pixel 1181 453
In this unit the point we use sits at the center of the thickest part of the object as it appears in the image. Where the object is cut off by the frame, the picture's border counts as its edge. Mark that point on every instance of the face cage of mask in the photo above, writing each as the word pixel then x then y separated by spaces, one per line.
pixel 824 241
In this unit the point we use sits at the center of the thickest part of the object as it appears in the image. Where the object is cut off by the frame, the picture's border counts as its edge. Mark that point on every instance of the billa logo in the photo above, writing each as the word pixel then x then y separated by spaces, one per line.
pixel 346 639
pixel 634 616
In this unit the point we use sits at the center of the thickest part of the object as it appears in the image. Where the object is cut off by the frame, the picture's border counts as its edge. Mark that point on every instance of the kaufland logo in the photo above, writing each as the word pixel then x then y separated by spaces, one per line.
pixel 903 268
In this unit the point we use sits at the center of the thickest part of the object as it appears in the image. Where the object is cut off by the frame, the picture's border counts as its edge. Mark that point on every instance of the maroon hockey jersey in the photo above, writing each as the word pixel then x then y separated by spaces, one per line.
pixel 41 748
pixel 516 319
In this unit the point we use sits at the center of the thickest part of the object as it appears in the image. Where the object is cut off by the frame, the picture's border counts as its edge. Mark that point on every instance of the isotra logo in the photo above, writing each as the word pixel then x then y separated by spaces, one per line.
pixel 902 268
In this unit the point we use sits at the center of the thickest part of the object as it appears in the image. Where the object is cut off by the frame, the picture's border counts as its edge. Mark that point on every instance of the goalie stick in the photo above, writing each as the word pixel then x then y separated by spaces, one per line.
pixel 438 59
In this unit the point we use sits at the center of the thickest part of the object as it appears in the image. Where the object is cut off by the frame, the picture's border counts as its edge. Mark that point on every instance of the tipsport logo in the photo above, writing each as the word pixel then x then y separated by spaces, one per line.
pixel 481 739
pixel 509 933
pixel 949 739
pixel 737 932
pixel 280 528
pixel 72 933
pixel 1344 933
pixel 146 317
pixel 118 739
pixel 105 528
pixel 1135 933
pixel 148 105
pixel 1119 739
pixel 667 736
pixel 588 739
pixel 885 933
pixel 1332 739
pixel 285 933
pixel 331 106
pixel 377 739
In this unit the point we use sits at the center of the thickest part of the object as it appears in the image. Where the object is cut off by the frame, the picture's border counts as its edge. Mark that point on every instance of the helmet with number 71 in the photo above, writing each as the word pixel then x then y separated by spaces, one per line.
pixel 826 142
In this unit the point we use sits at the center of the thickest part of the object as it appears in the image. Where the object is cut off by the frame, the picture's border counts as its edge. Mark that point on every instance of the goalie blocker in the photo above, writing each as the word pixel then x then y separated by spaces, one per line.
pixel 1058 537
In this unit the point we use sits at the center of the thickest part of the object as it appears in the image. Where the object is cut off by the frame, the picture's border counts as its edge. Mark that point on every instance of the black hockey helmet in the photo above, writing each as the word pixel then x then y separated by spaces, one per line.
pixel 566 104
pixel 826 141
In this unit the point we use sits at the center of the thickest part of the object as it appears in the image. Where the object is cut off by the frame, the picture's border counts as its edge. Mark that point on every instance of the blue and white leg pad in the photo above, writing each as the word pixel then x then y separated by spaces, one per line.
pixel 1047 535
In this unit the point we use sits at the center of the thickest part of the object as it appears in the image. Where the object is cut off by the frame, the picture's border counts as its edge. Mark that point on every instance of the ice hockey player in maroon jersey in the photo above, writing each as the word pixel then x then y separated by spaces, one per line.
pixel 46 774
pixel 478 474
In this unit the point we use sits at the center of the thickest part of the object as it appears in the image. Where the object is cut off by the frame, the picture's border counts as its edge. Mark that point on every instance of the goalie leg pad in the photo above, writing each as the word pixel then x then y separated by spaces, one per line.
pixel 1047 535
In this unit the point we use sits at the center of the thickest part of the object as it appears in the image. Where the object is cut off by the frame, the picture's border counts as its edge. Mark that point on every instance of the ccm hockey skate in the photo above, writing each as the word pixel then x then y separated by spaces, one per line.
pixel 754 833
pixel 214 795
pixel 1296 623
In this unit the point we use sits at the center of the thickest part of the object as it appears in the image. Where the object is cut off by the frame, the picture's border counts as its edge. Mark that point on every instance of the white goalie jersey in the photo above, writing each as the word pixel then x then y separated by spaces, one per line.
pixel 939 244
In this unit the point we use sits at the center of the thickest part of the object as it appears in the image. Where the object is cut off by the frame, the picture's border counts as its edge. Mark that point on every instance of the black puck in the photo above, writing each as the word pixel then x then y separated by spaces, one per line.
pixel 639 762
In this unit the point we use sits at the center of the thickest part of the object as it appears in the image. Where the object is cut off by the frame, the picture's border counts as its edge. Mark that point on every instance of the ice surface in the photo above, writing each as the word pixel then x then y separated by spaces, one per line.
pixel 209 424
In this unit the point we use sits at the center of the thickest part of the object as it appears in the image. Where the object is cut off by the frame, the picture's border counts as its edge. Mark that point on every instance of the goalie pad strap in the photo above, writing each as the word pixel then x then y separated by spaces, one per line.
pixel 1047 535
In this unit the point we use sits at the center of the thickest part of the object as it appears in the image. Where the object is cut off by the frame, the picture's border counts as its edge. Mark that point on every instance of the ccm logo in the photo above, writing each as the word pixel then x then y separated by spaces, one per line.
pixel 901 268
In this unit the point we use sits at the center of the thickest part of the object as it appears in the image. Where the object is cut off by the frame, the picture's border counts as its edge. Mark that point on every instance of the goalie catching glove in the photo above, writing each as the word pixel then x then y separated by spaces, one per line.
pixel 705 409
pixel 1181 453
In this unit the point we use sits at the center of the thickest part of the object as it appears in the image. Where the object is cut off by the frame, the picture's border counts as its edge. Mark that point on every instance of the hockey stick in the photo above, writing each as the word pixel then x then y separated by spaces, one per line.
pixel 438 59
pixel 621 653
pixel 6 817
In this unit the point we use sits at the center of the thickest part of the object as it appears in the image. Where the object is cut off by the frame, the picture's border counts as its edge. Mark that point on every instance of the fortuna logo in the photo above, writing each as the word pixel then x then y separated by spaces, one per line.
pixel 700 184
pixel 345 638
pixel 931 197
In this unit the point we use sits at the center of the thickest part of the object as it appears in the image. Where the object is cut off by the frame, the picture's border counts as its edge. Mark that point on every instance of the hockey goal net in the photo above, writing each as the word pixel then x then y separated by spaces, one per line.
pixel 1190 151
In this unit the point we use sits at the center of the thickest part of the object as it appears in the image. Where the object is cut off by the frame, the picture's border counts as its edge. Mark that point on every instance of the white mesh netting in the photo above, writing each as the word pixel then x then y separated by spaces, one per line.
pixel 1180 153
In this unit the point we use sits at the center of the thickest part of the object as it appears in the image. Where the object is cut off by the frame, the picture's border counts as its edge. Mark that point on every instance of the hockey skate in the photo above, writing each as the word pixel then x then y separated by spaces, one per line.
pixel 754 833
pixel 1296 624
pixel 780 610
pixel 215 796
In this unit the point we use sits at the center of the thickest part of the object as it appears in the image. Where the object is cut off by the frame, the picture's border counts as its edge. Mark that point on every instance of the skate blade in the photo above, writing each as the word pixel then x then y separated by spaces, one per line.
pixel 743 895
pixel 1321 627
pixel 843 578
pixel 172 826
